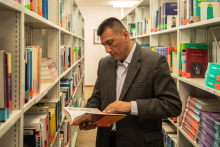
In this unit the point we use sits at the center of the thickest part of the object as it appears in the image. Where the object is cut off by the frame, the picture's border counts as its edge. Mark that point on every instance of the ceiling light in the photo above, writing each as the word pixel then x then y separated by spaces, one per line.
pixel 124 3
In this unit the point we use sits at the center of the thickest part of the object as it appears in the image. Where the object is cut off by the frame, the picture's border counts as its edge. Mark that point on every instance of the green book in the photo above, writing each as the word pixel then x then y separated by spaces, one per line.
pixel 183 46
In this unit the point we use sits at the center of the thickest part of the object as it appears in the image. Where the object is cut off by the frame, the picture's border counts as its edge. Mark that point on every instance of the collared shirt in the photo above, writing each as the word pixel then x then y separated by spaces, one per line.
pixel 122 69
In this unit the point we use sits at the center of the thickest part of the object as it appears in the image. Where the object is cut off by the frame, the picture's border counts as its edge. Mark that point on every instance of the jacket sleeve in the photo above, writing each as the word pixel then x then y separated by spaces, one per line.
pixel 95 100
pixel 166 102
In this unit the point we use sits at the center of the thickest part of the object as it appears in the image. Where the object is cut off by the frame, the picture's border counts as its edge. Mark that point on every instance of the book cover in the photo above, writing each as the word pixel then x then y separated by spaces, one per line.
pixel 188 131
pixel 10 82
pixel 196 63
pixel 29 136
pixel 212 83
pixel 190 126
pixel 208 139
pixel 183 63
pixel 201 143
pixel 190 119
pixel 193 108
pixel 215 67
pixel 209 10
pixel 212 118
pixel 212 75
pixel 210 129
pixel 192 114
pixel 170 15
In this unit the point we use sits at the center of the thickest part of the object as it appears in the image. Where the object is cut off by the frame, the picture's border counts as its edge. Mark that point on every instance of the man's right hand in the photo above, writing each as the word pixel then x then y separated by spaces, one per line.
pixel 88 126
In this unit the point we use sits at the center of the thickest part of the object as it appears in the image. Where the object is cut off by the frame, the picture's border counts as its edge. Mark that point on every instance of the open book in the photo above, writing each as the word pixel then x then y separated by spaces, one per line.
pixel 77 116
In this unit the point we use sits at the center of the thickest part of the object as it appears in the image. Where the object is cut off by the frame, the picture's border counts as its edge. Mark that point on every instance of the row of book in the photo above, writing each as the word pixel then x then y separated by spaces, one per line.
pixel 145 46
pixel 5 85
pixel 200 120
pixel 171 54
pixel 192 11
pixel 144 26
pixel 165 17
pixel 68 56
pixel 33 57
pixel 65 133
pixel 169 134
pixel 40 7
pixel 193 60
pixel 42 121
pixel 48 70
pixel 212 76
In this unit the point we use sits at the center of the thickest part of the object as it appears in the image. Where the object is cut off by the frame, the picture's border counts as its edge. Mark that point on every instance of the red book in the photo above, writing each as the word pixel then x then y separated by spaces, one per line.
pixel 196 63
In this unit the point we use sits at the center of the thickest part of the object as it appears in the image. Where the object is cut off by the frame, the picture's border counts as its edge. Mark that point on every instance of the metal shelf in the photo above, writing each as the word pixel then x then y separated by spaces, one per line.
pixel 9 5
pixel 199 83
pixel 5 126
pixel 192 141
pixel 175 124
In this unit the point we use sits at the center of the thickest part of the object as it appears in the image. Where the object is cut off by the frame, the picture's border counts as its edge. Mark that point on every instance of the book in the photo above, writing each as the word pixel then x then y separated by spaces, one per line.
pixel 190 126
pixel 170 15
pixel 193 108
pixel 212 75
pixel 210 129
pixel 201 143
pixel 209 104
pixel 209 10
pixel 192 114
pixel 77 116
pixel 191 120
pixel 196 63
pixel 192 135
pixel 215 67
pixel 174 61
pixel 183 63
pixel 212 118
pixel 29 136
pixel 206 138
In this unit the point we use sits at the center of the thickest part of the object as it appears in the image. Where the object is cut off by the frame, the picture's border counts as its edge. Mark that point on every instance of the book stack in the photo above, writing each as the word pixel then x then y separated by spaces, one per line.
pixel 197 119
pixel 5 86
pixel 40 7
pixel 212 76
pixel 33 57
pixel 165 17
pixel 66 131
pixel 34 117
pixel 55 114
pixel 143 26
pixel 193 60
pixel 146 46
pixel 198 10
pixel 131 29
pixel 48 70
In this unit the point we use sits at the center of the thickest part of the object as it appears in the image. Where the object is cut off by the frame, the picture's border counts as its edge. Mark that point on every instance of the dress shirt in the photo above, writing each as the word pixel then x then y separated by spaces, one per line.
pixel 122 68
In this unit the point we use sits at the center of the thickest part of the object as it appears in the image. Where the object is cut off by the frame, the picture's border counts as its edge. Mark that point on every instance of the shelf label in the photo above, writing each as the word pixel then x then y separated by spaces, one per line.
pixel 40 96
pixel 209 89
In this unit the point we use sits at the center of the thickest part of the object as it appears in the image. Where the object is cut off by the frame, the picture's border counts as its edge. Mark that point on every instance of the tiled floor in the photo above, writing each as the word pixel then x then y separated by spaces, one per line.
pixel 86 138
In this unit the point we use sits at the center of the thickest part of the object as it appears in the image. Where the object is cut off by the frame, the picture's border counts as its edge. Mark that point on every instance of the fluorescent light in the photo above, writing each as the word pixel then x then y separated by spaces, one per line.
pixel 124 3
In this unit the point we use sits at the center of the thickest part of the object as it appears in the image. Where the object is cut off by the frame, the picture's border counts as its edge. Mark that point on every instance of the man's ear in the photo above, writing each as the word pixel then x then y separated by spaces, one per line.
pixel 126 35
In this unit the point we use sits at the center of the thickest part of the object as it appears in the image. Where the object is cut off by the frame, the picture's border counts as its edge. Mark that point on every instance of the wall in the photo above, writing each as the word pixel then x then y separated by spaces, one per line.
pixel 93 16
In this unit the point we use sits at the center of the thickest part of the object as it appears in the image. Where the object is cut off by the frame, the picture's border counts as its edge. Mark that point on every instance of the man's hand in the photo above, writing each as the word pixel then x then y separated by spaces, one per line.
pixel 118 107
pixel 88 126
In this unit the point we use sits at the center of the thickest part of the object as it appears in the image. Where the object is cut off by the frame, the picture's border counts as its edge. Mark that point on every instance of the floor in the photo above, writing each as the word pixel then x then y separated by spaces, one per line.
pixel 86 138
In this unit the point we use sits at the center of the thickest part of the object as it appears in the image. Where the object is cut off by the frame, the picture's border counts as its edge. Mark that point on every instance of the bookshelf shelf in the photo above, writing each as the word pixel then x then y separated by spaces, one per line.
pixel 192 141
pixel 174 75
pixel 27 29
pixel 202 24
pixel 175 124
pixel 5 126
pixel 36 21
pixel 6 5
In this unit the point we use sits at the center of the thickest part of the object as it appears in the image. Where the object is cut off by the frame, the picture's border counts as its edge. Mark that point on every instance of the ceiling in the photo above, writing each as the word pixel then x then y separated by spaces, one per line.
pixel 99 3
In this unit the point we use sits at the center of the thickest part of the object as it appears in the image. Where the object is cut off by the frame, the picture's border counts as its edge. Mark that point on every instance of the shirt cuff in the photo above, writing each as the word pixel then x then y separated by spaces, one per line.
pixel 134 108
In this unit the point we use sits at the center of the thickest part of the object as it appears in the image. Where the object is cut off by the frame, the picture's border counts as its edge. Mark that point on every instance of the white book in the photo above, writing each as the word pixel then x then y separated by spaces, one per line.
pixel 174 60
pixel 64 19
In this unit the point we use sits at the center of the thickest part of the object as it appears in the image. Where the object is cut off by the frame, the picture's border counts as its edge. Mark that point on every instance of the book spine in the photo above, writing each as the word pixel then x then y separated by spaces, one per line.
pixel 10 82
pixel 7 84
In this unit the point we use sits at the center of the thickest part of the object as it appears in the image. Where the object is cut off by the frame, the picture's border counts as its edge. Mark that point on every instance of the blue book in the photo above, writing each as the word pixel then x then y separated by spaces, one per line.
pixel 3 114
pixel 156 19
pixel 43 7
pixel 46 9
pixel 61 14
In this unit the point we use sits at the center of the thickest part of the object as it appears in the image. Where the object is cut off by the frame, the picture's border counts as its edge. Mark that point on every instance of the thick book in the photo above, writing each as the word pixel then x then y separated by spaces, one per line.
pixel 29 137
pixel 192 135
pixel 212 75
pixel 206 138
pixel 205 103
pixel 201 143
pixel 196 63
pixel 191 120
pixel 192 114
pixel 190 126
pixel 77 116
pixel 212 118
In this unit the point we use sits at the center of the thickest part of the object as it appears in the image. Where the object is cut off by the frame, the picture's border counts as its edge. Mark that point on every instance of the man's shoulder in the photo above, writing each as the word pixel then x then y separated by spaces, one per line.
pixel 147 54
pixel 106 60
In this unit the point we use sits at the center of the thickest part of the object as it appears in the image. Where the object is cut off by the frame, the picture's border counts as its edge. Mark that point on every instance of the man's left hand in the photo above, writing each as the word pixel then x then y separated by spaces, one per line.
pixel 118 107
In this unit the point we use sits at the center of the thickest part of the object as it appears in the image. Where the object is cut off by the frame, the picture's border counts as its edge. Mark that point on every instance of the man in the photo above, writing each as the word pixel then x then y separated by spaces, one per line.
pixel 136 82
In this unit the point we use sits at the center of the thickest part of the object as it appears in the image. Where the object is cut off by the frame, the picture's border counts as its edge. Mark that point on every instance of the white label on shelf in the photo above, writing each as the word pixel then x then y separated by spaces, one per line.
pixel 209 89
pixel 40 96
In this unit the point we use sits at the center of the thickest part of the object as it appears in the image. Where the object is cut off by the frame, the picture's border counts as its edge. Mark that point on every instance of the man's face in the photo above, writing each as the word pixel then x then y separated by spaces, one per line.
pixel 115 44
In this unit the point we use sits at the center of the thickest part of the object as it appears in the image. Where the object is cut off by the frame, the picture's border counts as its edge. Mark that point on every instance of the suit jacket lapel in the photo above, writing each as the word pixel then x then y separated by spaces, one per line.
pixel 111 74
pixel 132 71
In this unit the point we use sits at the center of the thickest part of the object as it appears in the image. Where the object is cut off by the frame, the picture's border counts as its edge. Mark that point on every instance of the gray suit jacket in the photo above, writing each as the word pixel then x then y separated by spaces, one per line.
pixel 149 83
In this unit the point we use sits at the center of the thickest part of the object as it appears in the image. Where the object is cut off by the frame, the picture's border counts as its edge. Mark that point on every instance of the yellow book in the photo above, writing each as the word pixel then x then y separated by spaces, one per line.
pixel 10 81
pixel 52 124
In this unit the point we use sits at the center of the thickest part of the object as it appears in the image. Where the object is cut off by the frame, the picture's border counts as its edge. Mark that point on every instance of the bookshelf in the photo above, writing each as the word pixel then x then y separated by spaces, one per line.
pixel 199 32
pixel 21 27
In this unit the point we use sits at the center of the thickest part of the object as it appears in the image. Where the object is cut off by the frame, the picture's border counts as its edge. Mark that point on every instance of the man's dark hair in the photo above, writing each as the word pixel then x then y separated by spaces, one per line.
pixel 112 23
